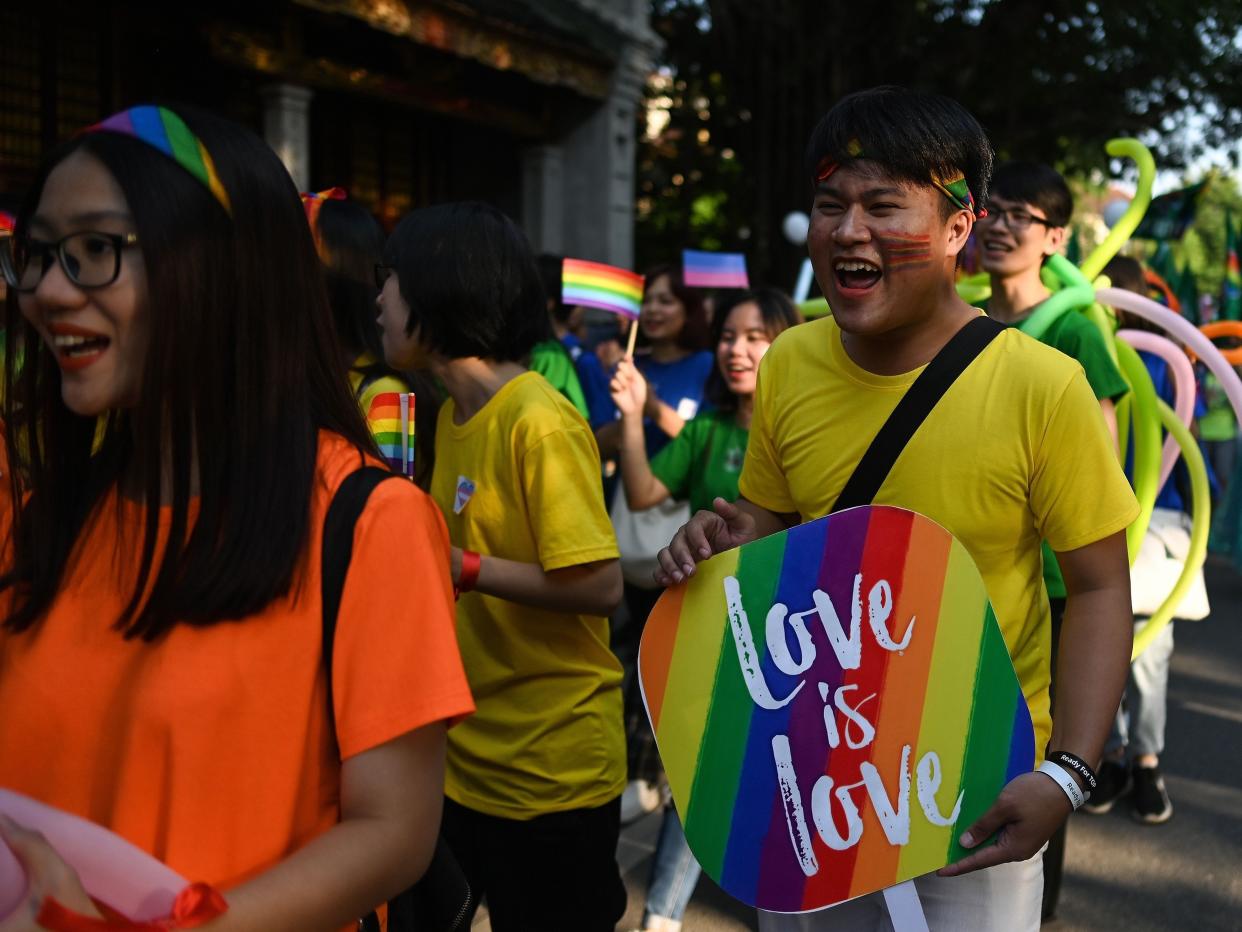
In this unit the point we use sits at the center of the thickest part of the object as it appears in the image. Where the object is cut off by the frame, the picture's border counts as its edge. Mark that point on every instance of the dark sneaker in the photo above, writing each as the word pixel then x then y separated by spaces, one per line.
pixel 1151 800
pixel 1112 783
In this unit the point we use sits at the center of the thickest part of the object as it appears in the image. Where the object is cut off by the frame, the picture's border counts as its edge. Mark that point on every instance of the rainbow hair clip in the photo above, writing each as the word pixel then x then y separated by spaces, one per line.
pixel 162 129
pixel 956 190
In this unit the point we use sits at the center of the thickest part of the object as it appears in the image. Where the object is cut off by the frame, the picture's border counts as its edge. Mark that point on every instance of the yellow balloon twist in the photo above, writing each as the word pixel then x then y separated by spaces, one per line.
pixel 1125 227
pixel 1200 512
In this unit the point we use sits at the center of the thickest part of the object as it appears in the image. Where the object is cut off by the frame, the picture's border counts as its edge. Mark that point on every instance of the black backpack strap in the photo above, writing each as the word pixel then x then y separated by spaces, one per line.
pixel 338 547
pixel 912 410
pixel 442 900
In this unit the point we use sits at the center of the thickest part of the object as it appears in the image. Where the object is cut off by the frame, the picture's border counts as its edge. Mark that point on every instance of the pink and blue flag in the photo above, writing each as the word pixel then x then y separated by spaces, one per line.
pixel 714 269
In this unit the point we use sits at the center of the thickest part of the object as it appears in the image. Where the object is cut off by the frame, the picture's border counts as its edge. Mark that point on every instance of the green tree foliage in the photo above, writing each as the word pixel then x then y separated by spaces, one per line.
pixel 743 82
pixel 1203 246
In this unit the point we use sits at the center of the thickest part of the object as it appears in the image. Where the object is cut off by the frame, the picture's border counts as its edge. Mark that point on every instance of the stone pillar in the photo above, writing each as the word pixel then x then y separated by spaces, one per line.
pixel 543 198
pixel 599 180
pixel 286 127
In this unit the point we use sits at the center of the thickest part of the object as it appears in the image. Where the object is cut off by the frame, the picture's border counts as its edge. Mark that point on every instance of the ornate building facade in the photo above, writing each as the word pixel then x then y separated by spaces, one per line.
pixel 529 104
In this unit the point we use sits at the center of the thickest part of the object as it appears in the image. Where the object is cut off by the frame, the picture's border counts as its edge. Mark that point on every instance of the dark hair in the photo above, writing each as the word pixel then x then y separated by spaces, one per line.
pixel 914 136
pixel 1125 272
pixel 778 313
pixel 1038 185
pixel 471 283
pixel 695 333
pixel 242 373
pixel 550 275
pixel 351 242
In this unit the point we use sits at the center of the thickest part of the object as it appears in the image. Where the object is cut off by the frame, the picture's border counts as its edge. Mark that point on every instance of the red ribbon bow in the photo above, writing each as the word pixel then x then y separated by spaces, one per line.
pixel 196 904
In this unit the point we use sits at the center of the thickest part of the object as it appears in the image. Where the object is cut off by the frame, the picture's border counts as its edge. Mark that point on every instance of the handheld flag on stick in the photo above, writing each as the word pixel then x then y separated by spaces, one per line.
pixel 593 284
pixel 714 269
pixel 391 419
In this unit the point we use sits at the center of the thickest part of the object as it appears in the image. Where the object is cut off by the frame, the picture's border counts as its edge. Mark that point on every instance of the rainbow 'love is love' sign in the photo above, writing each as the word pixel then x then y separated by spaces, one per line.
pixel 834 706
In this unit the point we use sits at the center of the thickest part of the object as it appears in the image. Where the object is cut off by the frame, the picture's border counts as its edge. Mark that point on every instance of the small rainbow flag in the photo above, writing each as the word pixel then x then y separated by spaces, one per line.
pixel 391 419
pixel 593 284
pixel 816 754
pixel 8 222
pixel 714 269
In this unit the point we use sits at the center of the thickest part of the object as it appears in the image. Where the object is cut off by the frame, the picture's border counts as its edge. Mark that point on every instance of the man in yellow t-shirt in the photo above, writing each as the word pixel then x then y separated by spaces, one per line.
pixel 1015 452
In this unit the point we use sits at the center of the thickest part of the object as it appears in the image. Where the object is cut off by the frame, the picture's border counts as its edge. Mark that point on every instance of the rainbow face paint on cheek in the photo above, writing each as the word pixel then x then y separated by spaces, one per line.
pixel 902 250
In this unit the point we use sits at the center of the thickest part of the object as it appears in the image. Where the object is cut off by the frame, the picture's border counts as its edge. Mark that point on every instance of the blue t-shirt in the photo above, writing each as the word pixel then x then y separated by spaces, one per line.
pixel 573 346
pixel 595 381
pixel 1166 391
pixel 680 385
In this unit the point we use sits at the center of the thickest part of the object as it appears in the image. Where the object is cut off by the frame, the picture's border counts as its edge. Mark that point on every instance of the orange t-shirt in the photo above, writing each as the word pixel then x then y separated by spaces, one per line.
pixel 212 748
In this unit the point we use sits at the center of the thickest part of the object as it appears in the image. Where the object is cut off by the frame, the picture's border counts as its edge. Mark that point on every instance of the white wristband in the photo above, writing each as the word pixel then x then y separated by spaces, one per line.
pixel 1066 781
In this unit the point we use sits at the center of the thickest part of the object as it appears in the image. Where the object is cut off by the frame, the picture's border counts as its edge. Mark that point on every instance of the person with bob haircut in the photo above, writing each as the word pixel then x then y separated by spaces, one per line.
pixel 700 464
pixel 897 178
pixel 350 243
pixel 534 778
pixel 177 421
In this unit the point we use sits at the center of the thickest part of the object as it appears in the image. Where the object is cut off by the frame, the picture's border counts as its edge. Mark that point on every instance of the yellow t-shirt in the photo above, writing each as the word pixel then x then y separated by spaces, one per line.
pixel 1016 452
pixel 520 480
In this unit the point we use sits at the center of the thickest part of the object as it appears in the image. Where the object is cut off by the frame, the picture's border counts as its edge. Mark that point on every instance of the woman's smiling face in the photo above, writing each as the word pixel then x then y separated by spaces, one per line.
pixel 663 314
pixel 98 336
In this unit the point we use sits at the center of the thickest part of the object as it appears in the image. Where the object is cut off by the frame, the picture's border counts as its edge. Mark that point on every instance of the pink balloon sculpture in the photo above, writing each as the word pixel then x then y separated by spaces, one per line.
pixel 1184 387
pixel 111 869
pixel 1183 330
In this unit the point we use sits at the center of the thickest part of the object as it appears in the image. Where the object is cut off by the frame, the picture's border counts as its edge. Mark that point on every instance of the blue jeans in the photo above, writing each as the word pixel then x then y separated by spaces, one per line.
pixel 673 874
pixel 1139 726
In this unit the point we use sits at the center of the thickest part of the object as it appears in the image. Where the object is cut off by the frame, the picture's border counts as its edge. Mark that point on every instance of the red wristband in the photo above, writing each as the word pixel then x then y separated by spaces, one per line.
pixel 471 562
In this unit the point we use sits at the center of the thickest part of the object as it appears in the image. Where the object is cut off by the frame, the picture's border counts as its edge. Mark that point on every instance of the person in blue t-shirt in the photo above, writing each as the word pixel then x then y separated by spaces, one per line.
pixel 672 355
pixel 673 359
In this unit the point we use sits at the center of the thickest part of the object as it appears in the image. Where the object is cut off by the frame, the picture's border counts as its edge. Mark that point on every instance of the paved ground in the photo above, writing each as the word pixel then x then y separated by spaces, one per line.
pixel 1186 874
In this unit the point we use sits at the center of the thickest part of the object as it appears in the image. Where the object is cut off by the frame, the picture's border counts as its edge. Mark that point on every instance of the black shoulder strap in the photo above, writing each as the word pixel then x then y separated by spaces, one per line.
pixel 338 547
pixel 918 401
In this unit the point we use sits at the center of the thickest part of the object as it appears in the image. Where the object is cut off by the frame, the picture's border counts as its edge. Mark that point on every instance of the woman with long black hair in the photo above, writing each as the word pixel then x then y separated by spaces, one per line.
pixel 177 422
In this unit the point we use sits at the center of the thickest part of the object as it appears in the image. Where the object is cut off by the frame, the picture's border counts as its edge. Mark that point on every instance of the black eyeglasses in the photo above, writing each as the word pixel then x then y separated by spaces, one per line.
pixel 90 259
pixel 1016 218
pixel 382 274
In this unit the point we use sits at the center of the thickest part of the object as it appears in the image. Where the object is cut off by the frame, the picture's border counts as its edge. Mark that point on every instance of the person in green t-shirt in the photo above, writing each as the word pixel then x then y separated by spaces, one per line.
pixel 1028 211
pixel 551 360
pixel 702 463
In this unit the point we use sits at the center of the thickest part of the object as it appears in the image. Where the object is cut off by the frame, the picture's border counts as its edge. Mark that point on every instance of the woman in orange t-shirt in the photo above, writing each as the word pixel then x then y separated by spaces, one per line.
pixel 177 424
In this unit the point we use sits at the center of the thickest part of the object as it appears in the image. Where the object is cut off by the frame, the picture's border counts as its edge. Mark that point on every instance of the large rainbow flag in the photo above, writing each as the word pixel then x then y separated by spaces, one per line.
pixel 593 284
pixel 755 823
pixel 391 419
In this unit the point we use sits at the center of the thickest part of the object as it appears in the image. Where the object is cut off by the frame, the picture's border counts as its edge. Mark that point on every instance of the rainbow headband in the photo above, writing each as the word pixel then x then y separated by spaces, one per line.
pixel 955 189
pixel 312 203
pixel 162 129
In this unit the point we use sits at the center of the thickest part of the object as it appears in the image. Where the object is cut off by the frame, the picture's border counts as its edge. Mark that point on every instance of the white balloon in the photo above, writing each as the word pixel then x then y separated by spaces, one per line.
pixel 795 226
pixel 1113 211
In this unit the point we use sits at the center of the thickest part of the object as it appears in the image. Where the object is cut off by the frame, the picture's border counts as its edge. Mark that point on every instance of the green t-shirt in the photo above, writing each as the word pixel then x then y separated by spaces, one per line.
pixel 1219 423
pixel 704 460
pixel 551 361
pixel 1078 338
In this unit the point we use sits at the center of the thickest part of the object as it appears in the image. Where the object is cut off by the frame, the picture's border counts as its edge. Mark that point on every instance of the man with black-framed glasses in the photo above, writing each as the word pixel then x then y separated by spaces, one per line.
pixel 1028 211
